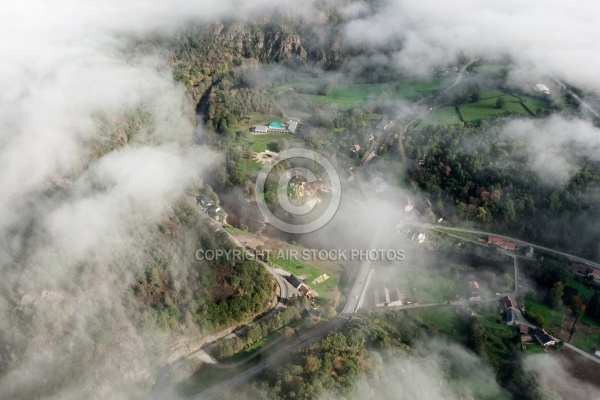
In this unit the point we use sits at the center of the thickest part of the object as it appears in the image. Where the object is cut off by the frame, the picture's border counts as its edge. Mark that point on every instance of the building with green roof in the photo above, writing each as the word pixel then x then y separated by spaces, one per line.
pixel 276 125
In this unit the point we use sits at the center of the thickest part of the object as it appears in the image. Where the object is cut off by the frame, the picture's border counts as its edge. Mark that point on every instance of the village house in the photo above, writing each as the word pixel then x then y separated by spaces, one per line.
pixel 543 338
pixel 529 252
pixel 510 313
pixel 580 269
pixel 301 286
pixel 503 244
pixel 595 274
pixel 510 316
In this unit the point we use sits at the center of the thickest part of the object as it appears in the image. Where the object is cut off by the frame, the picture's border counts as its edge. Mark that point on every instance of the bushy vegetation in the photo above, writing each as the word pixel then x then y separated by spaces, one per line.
pixel 209 295
pixel 485 177
pixel 371 356
pixel 258 331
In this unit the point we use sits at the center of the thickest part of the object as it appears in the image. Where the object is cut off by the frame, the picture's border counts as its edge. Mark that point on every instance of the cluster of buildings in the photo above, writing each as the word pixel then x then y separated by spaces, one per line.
pixel 509 308
pixel 388 297
pixel 276 127
pixel 586 271
pixel 209 206
pixel 542 337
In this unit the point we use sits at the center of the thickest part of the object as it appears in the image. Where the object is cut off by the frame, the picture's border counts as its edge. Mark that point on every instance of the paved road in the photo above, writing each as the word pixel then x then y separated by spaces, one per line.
pixel 356 295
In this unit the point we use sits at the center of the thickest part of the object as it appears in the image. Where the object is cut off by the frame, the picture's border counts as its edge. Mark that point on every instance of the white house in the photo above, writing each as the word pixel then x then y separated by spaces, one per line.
pixel 541 88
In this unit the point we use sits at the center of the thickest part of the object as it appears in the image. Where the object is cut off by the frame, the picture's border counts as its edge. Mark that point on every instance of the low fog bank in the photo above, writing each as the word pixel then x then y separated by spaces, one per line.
pixel 546 37
pixel 96 144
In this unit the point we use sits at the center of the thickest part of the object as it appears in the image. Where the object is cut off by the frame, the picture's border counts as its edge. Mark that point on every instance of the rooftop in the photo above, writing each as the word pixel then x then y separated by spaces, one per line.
pixel 502 242
pixel 294 280
pixel 276 125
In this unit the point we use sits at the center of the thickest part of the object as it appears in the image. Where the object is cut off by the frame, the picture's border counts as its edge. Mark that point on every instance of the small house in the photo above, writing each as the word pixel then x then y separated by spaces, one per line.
pixel 261 129
pixel 542 89
pixel 510 316
pixel 307 291
pixel 396 298
pixel 543 338
pixel 301 286
pixel 580 269
pixel 294 281
pixel 529 252
pixel 509 302
pixel 523 329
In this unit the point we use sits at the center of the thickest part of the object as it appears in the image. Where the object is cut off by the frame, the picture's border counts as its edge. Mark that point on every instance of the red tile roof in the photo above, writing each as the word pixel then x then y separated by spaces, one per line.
pixel 502 242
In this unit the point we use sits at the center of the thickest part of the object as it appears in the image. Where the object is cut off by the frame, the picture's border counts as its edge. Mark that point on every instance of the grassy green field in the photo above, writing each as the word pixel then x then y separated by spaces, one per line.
pixel 443 320
pixel 486 107
pixel 434 288
pixel 357 94
pixel 582 290
pixel 268 141
pixel 483 109
pixel 466 235
pixel 533 348
pixel 259 143
pixel 535 306
pixel 442 116
pixel 586 345
pixel 534 103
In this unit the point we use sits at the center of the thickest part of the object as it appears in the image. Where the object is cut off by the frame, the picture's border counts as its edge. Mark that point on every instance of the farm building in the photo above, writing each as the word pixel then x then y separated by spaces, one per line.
pixel 541 88
pixel 503 244
pixel 301 286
